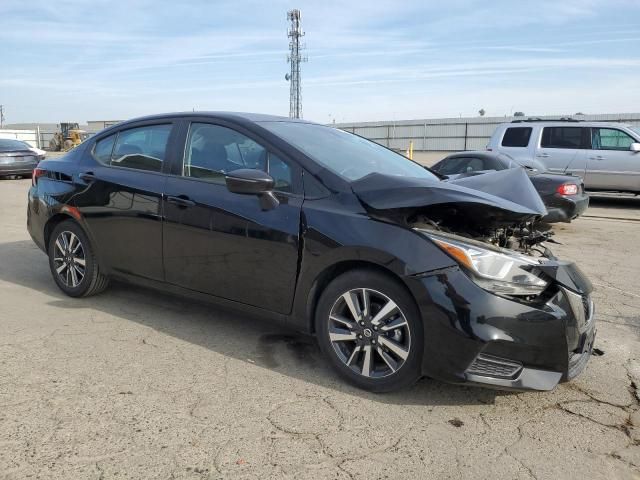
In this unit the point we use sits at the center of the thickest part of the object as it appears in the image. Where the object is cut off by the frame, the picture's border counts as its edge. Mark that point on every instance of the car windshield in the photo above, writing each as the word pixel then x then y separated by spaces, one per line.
pixel 636 130
pixel 9 143
pixel 350 156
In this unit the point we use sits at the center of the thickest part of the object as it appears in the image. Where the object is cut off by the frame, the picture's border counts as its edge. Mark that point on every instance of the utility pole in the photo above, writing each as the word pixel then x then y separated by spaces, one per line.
pixel 295 58
pixel 1 116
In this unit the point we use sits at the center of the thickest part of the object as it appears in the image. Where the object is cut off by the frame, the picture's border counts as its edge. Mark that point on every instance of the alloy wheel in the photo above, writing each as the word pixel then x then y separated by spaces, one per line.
pixel 369 333
pixel 69 259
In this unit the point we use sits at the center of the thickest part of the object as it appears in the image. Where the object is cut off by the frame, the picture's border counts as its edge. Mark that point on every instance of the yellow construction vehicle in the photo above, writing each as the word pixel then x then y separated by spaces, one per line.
pixel 68 137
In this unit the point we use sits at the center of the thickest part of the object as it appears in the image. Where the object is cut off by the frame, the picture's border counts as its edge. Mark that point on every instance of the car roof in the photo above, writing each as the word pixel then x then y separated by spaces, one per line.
pixel 251 117
pixel 235 117
pixel 564 123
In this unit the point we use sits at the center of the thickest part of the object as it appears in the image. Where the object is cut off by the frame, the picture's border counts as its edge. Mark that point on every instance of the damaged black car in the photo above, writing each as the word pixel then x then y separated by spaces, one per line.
pixel 398 274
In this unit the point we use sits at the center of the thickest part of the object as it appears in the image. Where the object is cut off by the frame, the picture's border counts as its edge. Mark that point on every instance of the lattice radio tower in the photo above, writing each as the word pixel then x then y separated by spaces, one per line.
pixel 295 58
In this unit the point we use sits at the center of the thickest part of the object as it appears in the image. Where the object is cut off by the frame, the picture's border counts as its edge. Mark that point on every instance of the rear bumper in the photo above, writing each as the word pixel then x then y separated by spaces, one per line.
pixel 566 208
pixel 477 338
pixel 18 168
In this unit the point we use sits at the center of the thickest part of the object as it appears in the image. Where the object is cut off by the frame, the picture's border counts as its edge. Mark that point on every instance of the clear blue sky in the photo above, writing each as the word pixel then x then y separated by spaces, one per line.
pixel 368 60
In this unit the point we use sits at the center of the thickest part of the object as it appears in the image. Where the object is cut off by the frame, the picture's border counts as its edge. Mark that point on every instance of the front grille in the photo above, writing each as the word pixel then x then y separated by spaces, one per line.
pixel 489 366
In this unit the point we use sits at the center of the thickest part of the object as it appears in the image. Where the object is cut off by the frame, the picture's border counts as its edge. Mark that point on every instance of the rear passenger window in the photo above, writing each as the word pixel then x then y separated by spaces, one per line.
pixel 565 137
pixel 516 137
pixel 102 150
pixel 142 148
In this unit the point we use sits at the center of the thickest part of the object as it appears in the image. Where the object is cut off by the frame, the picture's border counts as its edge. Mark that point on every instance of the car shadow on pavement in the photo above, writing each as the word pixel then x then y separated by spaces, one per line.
pixel 617 201
pixel 230 333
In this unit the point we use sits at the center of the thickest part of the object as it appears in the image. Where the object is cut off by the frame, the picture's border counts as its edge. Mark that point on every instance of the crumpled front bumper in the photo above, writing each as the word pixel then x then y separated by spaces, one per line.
pixel 475 337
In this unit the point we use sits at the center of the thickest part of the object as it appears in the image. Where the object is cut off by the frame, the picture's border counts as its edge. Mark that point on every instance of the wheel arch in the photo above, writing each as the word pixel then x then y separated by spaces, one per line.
pixel 329 273
pixel 69 214
pixel 53 222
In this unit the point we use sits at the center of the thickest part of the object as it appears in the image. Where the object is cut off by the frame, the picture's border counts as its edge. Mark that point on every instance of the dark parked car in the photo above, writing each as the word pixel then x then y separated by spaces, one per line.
pixel 563 195
pixel 397 273
pixel 17 158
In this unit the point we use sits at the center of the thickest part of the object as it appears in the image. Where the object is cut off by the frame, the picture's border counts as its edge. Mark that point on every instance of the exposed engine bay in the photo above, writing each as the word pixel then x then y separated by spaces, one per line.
pixel 498 208
pixel 523 238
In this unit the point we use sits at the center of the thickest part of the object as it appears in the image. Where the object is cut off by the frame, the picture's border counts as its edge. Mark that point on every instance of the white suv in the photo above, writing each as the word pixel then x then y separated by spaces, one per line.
pixel 605 155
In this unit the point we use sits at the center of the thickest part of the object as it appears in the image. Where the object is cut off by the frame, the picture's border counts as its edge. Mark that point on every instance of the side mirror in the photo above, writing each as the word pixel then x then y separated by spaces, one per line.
pixel 249 181
pixel 635 147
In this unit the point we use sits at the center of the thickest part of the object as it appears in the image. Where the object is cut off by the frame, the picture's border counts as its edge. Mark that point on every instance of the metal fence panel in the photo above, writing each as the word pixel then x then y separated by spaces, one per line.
pixel 371 132
pixel 444 144
pixel 28 136
pixel 407 131
pixel 446 131
pixel 481 129
pixel 477 143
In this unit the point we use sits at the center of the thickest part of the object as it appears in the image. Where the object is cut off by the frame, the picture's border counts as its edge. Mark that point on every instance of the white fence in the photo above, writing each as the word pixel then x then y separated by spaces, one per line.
pixel 28 136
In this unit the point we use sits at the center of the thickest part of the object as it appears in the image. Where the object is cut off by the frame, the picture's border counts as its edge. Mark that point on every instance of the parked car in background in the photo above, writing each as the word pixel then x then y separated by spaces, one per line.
pixel 17 158
pixel 605 155
pixel 563 195
pixel 397 273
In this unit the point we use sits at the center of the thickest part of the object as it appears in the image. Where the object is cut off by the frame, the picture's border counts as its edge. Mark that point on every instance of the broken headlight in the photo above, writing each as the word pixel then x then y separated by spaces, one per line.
pixel 495 269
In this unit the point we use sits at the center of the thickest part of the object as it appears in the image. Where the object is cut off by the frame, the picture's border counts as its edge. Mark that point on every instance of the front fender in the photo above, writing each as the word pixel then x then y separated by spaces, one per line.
pixel 331 237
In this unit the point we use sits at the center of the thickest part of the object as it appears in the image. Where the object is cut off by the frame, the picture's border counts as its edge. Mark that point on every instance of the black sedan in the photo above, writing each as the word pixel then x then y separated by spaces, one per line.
pixel 17 158
pixel 397 273
pixel 563 195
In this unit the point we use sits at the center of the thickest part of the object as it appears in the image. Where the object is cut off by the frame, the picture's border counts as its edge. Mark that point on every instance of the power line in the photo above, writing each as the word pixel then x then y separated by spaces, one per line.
pixel 295 58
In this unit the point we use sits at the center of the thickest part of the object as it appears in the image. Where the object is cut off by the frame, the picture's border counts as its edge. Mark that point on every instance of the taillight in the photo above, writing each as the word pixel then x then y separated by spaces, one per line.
pixel 568 189
pixel 37 172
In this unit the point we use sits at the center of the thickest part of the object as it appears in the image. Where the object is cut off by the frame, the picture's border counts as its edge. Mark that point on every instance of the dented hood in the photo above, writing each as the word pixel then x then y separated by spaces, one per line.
pixel 499 198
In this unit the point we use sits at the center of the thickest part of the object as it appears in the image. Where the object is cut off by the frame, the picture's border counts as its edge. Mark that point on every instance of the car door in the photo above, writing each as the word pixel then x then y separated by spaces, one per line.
pixel 224 243
pixel 611 165
pixel 563 149
pixel 119 196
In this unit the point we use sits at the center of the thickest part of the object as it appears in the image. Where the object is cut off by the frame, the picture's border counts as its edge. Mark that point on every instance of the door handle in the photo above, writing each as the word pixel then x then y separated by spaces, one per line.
pixel 543 155
pixel 87 176
pixel 181 201
pixel 597 157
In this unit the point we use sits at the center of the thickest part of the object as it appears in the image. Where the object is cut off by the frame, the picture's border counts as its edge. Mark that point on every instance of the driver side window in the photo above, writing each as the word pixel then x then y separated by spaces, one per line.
pixel 213 150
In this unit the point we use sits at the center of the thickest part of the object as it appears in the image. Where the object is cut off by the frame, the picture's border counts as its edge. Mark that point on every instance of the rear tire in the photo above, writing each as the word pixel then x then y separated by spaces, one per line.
pixel 369 328
pixel 73 261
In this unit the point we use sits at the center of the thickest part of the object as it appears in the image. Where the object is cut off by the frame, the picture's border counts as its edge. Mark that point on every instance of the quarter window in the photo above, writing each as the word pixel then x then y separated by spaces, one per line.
pixel 565 137
pixel 610 139
pixel 213 150
pixel 102 150
pixel 516 137
pixel 142 148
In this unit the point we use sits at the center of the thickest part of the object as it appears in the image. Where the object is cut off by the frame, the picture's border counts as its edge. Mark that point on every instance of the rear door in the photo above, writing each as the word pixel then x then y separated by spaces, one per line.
pixel 563 149
pixel 120 196
pixel 611 164
pixel 223 243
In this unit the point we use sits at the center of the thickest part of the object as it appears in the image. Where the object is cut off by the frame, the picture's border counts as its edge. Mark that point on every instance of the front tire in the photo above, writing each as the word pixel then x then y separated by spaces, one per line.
pixel 369 328
pixel 73 262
